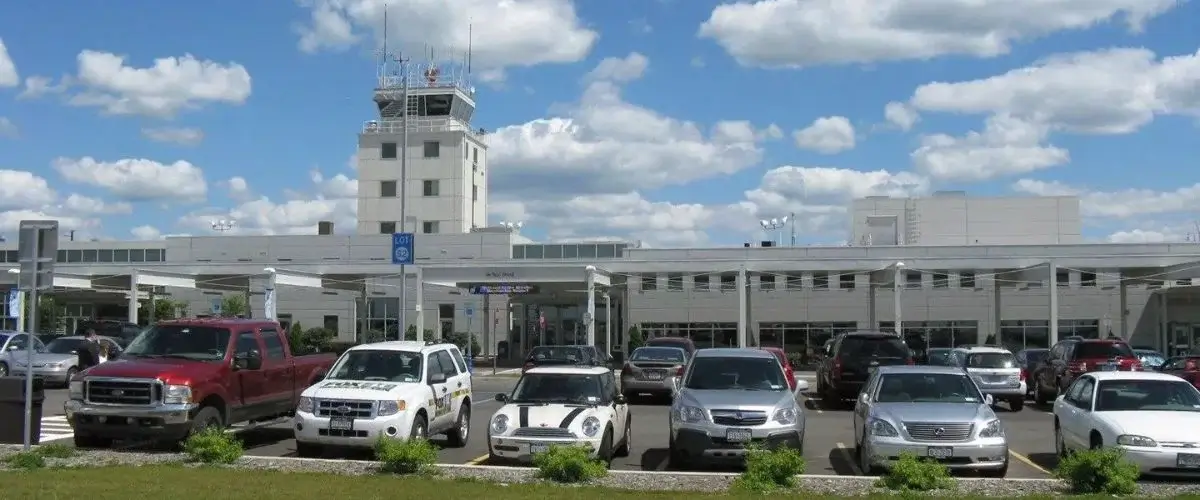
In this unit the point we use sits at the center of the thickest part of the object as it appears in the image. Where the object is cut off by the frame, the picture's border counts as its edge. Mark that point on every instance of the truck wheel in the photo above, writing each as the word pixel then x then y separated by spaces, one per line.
pixel 457 437
pixel 205 418
pixel 308 450
pixel 89 441
pixel 420 429
pixel 1016 404
pixel 3 369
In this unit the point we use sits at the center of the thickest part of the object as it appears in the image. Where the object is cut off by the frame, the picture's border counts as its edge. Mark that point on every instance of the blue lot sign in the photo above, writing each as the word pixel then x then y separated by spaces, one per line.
pixel 402 248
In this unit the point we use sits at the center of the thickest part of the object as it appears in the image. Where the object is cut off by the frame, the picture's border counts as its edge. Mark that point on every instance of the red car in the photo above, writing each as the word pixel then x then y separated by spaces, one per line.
pixel 787 365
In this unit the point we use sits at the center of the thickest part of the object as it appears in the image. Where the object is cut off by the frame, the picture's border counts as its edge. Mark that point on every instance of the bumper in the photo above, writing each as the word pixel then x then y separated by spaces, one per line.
pixel 981 454
pixel 163 422
pixel 848 389
pixel 1005 391
pixel 57 377
pixel 311 429
pixel 522 449
pixel 1161 462
pixel 633 385
pixel 708 443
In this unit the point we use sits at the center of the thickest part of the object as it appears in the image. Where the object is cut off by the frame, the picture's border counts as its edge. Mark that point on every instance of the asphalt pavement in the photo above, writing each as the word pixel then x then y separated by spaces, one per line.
pixel 828 447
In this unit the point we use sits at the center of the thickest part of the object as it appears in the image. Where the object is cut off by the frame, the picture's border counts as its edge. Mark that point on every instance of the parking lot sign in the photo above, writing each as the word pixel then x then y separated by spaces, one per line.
pixel 402 248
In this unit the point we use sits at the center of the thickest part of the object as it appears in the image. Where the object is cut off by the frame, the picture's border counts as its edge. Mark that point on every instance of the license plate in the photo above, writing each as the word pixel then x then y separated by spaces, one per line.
pixel 939 452
pixel 341 424
pixel 1109 368
pixel 534 449
pixel 1187 460
pixel 654 376
pixel 738 435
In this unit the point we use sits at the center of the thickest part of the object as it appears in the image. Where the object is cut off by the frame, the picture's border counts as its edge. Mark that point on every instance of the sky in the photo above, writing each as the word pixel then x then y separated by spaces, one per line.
pixel 669 122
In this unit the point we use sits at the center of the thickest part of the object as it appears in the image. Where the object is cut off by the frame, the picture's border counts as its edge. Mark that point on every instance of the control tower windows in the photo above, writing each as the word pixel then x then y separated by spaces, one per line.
pixel 387 189
pixel 387 151
pixel 433 149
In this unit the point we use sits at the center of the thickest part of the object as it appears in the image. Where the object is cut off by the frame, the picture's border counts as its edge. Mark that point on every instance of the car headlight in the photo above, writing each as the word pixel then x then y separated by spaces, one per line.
pixel 689 414
pixel 177 394
pixel 75 390
pixel 1135 440
pixel 591 426
pixel 992 429
pixel 786 416
pixel 305 405
pixel 877 427
pixel 500 424
pixel 387 408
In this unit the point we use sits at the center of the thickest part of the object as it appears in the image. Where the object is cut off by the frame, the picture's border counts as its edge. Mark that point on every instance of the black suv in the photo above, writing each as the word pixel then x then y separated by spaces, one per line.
pixel 852 358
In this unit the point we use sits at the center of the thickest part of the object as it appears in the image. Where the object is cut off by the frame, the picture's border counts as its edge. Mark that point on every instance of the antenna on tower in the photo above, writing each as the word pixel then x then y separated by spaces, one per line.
pixel 470 42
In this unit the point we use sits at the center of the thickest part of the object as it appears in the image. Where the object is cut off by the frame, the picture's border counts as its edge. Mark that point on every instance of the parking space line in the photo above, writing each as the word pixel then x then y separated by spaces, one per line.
pixel 1027 461
pixel 849 458
pixel 477 460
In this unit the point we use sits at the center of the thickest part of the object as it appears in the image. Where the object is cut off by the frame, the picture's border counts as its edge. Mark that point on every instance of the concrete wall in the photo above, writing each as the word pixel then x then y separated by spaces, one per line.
pixel 452 207
pixel 962 220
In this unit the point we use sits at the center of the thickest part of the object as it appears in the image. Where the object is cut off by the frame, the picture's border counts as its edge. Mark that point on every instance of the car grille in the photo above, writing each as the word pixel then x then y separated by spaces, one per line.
pixel 345 408
pixel 543 432
pixel 735 417
pixel 122 392
pixel 932 431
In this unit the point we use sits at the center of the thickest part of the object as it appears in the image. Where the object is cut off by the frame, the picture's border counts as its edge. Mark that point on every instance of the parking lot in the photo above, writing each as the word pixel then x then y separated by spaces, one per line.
pixel 828 447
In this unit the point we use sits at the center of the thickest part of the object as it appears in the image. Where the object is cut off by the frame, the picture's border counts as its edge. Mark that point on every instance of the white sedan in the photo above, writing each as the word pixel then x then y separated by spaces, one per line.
pixel 1154 417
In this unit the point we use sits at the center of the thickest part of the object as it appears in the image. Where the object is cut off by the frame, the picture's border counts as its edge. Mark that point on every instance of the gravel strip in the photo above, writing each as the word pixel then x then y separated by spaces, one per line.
pixel 829 485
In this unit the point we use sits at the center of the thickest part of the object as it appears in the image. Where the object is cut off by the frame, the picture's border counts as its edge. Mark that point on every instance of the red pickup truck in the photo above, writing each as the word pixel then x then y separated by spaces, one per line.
pixel 182 376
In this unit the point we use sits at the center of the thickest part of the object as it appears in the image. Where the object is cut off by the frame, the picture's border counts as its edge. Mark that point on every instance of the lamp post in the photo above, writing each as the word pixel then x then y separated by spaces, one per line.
pixel 897 288
pixel 512 226
pixel 776 224
pixel 224 225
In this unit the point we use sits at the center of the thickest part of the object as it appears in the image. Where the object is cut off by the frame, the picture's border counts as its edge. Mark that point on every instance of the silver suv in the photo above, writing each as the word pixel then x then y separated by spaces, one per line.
pixel 729 399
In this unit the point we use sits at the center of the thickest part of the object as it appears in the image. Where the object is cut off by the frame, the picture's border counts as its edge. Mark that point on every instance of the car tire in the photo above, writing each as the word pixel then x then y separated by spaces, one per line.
pixel 205 418
pixel 70 375
pixel 676 460
pixel 420 428
pixel 864 463
pixel 1060 444
pixel 626 440
pixel 1039 394
pixel 3 369
pixel 457 437
pixel 308 450
pixel 605 453
pixel 1016 404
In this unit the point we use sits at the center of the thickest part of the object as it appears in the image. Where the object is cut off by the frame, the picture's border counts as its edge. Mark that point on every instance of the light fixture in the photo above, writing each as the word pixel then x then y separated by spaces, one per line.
pixel 512 225
pixel 223 225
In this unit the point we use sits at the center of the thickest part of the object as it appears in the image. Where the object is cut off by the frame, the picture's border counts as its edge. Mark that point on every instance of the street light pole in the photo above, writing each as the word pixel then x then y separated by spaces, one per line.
pixel 404 198
pixel 897 287
pixel 772 227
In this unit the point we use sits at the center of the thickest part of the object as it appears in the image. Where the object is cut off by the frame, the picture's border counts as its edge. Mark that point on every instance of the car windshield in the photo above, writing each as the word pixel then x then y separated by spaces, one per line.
pixel 378 366
pixel 200 343
pixel 1146 395
pixel 1102 350
pixel 561 388
pixel 927 388
pixel 556 353
pixel 878 347
pixel 1152 358
pixel 661 354
pixel 64 345
pixel 713 373
pixel 991 360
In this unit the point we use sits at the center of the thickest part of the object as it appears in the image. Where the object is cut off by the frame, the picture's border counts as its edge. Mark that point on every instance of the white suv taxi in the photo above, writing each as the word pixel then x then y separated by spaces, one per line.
pixel 561 406
pixel 399 390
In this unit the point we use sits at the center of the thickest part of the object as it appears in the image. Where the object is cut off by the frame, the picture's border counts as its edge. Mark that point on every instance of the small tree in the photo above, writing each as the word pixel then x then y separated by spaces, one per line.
pixel 460 339
pixel 635 338
pixel 49 313
pixel 165 309
pixel 234 305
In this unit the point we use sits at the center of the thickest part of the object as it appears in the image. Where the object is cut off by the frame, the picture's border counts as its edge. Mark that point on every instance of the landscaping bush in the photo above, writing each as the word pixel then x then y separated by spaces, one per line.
pixel 25 460
pixel 405 456
pixel 1104 471
pixel 213 446
pixel 636 339
pixel 55 450
pixel 460 339
pixel 569 464
pixel 912 473
pixel 770 470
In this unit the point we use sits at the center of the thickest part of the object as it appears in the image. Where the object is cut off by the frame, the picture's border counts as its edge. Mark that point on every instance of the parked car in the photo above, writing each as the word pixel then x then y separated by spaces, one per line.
pixel 183 376
pixel 1072 357
pixel 559 355
pixel 561 406
pixel 852 358
pixel 787 365
pixel 1028 360
pixel 652 370
pixel 123 332
pixel 934 412
pixel 1184 367
pixel 14 347
pixel 729 398
pixel 1151 416
pixel 996 372
pixel 939 356
pixel 681 342
pixel 400 390
pixel 1151 359
pixel 58 362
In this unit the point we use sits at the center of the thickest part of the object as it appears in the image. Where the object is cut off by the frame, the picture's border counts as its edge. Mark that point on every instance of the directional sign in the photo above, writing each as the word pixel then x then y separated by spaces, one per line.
pixel 503 289
pixel 14 303
pixel 37 252
pixel 469 310
pixel 217 305
pixel 402 248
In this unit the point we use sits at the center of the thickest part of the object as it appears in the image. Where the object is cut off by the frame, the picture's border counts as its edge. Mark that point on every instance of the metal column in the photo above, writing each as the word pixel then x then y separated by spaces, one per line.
pixel 742 307
pixel 874 322
pixel 590 315
pixel 420 307
pixel 133 296
pixel 1053 302
pixel 1124 311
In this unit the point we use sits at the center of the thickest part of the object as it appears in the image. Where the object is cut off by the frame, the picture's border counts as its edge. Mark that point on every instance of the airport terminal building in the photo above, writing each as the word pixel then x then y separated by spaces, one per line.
pixel 952 269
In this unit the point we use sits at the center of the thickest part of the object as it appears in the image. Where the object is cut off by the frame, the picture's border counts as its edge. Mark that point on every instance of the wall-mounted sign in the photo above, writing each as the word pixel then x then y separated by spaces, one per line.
pixel 501 274
pixel 503 289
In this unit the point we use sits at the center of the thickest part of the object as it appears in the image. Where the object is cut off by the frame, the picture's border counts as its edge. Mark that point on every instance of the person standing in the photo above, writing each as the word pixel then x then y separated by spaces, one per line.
pixel 88 352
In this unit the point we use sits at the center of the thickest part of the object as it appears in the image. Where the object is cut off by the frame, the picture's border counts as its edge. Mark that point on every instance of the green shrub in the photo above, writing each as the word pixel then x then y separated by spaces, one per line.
pixel 460 339
pixel 213 446
pixel 569 464
pixel 55 450
pixel 912 473
pixel 405 456
pixel 635 337
pixel 25 460
pixel 1104 470
pixel 770 470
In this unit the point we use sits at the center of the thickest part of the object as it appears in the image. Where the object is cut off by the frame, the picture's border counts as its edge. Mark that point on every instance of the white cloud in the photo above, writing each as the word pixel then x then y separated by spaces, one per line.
pixel 827 190
pixel 146 233
pixel 8 128
pixel 795 33
pixel 1006 146
pixel 1144 236
pixel 137 179
pixel 828 135
pixel 299 215
pixel 171 85
pixel 24 190
pixel 239 189
pixel 617 69
pixel 505 32
pixel 592 216
pixel 10 220
pixel 175 135
pixel 338 186
pixel 1120 204
pixel 901 115
pixel 84 205
pixel 37 86
pixel 8 70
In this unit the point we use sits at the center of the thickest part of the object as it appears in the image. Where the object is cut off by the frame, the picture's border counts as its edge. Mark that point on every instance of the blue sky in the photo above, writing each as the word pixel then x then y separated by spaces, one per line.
pixel 668 121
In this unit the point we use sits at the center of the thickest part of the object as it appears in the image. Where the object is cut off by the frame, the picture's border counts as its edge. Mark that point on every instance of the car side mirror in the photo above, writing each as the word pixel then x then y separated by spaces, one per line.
pixel 503 398
pixel 801 386
pixel 437 378
pixel 620 399
pixel 251 360
pixel 988 399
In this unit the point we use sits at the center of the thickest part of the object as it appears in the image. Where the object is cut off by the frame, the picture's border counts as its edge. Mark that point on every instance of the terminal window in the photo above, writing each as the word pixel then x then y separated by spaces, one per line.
pixel 701 281
pixel 766 282
pixel 433 149
pixel 649 282
pixel 429 227
pixel 387 189
pixel 675 282
pixel 430 188
pixel 795 281
pixel 966 279
pixel 387 227
pixel 821 281
pixel 729 281
pixel 846 281
pixel 1062 278
pixel 1087 278
pixel 387 151
pixel 941 279
pixel 912 279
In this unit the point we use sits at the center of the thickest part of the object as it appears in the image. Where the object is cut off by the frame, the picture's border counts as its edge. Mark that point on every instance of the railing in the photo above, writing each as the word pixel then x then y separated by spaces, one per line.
pixel 395 126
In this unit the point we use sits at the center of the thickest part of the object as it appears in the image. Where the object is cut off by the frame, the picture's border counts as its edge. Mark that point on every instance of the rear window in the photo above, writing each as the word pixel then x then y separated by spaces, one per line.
pixel 1036 356
pixel 556 352
pixel 991 360
pixel 879 347
pixel 1102 350
pixel 680 343
pixel 665 354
